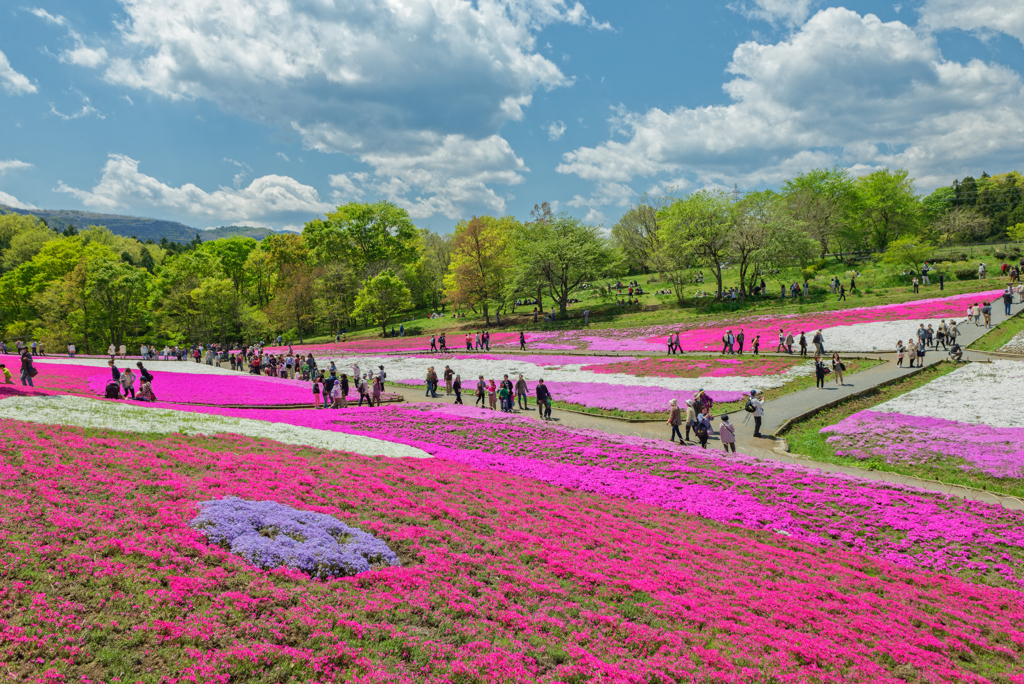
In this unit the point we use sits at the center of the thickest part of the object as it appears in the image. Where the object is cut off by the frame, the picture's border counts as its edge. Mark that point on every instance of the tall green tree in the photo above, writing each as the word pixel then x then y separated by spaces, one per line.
pixel 479 261
pixel 636 233
pixel 823 201
pixel 696 228
pixel 232 253
pixel 889 206
pixel 121 293
pixel 370 237
pixel 383 296
pixel 565 252
pixel 908 251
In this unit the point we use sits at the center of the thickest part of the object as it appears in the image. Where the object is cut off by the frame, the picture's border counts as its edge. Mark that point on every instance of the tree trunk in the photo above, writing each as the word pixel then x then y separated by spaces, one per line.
pixel 540 299
pixel 487 318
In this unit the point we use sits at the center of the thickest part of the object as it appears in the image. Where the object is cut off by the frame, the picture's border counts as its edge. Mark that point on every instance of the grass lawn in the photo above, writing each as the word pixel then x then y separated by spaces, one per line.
pixel 994 339
pixel 805 439
pixel 804 382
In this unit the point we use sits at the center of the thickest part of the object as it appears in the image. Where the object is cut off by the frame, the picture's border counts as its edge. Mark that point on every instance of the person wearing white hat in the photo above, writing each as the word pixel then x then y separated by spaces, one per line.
pixel 674 418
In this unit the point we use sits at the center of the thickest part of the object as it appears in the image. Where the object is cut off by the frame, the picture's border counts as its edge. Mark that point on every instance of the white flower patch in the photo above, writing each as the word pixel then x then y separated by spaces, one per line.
pixel 69 410
pixel 409 367
pixel 979 393
pixel 155 366
pixel 1015 345
pixel 879 336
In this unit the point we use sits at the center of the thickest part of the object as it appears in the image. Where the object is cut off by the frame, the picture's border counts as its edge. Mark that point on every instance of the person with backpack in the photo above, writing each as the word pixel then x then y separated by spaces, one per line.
pixel 543 400
pixel 144 373
pixel 28 370
pixel 316 391
pixel 691 418
pixel 837 369
pixel 521 393
pixel 756 403
pixel 703 427
pixel 481 393
pixel 727 433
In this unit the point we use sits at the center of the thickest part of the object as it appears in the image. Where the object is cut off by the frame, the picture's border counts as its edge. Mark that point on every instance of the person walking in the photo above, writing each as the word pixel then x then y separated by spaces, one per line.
pixel 492 394
pixel 986 311
pixel 674 419
pixel 703 427
pixel 691 419
pixel 316 391
pixel 375 392
pixel 364 390
pixel 727 433
pixel 506 398
pixel 433 343
pixel 457 388
pixel 448 376
pixel 837 368
pixel 819 343
pixel 782 342
pixel 111 351
pixel 481 393
pixel 757 403
pixel 543 400
pixel 740 337
pixel 522 341
pixel 28 370
pixel 757 344
pixel 343 388
pixel 522 393
pixel 819 373
pixel 942 282
pixel 803 344
pixel 432 382
pixel 842 294
pixel 1007 299
pixel 900 353
pixel 789 343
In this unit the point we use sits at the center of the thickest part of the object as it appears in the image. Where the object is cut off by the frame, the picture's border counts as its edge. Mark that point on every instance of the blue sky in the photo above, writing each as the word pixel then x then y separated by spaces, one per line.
pixel 269 112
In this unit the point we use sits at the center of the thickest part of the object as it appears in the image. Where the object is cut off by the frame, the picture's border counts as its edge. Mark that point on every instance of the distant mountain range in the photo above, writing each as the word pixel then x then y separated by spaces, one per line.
pixel 135 226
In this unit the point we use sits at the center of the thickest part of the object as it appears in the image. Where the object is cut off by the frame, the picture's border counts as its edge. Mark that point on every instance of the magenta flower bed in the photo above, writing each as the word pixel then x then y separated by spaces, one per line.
pixel 912 440
pixel 504 579
pixel 708 336
pixel 241 389
pixel 673 367
pixel 609 397
pixel 912 528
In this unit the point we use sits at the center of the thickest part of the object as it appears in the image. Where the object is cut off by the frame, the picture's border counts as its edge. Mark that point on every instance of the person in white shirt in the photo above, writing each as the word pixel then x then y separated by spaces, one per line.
pixel 71 350
pixel 756 399
pixel 111 351
pixel 166 353
pixel 143 352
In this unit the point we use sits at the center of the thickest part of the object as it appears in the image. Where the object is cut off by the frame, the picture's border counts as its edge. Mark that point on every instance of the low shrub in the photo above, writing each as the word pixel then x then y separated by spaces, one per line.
pixel 966 273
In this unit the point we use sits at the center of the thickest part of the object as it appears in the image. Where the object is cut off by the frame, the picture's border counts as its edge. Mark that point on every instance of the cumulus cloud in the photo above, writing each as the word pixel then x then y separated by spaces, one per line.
pixel 85 56
pixel 12 201
pixel 556 130
pixel 86 110
pixel 14 83
pixel 981 16
pixel 843 89
pixel 379 80
pixel 13 165
pixel 124 186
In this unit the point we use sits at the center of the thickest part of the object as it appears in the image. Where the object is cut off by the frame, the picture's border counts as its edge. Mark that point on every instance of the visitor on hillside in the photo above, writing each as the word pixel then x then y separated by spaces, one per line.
pixel 487 340
pixel 842 294
pixel 740 337
pixel 986 311
pixel 522 341
pixel 782 342
pixel 803 344
pixel 789 343
pixel 144 373
pixel 914 281
pixel 522 392
pixel 942 282
pixel 757 344
pixel 111 351
pixel 71 350
pixel 703 427
pixel 448 375
pixel 1007 300
pixel 956 352
pixel 316 391
pixel 481 393
pixel 28 370
pixel 375 392
pixel 921 349
pixel 674 419
pixel 457 388
pixel 128 383
pixel 492 394
pixel 820 370
pixel 900 353
pixel 757 402
pixel 727 433
pixel 401 330
pixel 442 342
pixel 433 343
pixel 837 369
pixel 543 400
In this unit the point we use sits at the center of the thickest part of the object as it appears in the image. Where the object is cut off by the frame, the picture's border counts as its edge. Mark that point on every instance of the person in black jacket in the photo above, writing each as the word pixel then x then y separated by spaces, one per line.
pixel 543 400
pixel 457 388
pixel 819 372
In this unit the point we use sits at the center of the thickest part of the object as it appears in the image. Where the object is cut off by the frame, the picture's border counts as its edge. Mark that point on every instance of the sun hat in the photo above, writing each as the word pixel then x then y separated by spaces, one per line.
pixel 672 402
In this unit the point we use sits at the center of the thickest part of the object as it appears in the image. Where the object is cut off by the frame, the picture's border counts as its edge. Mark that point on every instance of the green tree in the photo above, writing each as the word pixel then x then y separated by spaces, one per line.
pixel 1016 233
pixel 335 295
pixel 368 236
pixel 822 200
pixel 565 252
pixel 260 276
pixel 479 261
pixel 232 253
pixel 636 233
pixel 121 293
pixel 889 206
pixel 382 297
pixel 696 229
pixel 294 296
pixel 908 251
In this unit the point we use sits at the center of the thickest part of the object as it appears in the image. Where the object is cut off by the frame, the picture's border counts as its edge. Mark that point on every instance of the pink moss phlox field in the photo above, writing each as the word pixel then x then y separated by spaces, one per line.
pixel 673 367
pixel 911 528
pixel 607 396
pixel 708 336
pixel 241 389
pixel 914 440
pixel 504 579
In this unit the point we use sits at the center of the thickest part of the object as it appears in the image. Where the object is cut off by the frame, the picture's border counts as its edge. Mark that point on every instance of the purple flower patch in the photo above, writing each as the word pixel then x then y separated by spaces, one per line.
pixel 271 535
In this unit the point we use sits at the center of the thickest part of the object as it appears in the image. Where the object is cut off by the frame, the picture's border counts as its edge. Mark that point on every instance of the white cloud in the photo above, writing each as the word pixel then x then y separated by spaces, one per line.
pixel 380 80
pixel 128 99
pixel 284 156
pixel 47 17
pixel 606 193
pixel 1005 16
pixel 86 110
pixel 12 81
pixel 13 165
pixel 556 130
pixel 790 12
pixel 124 186
pixel 12 201
pixel 842 89
pixel 84 56
pixel 348 186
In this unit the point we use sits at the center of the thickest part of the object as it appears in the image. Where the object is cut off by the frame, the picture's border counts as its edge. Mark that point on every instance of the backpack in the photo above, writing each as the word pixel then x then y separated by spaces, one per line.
pixel 113 390
pixel 749 406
